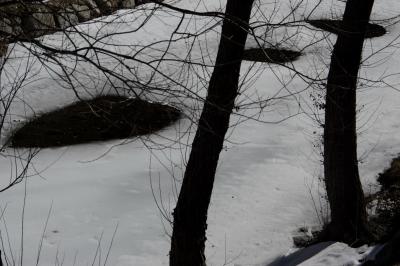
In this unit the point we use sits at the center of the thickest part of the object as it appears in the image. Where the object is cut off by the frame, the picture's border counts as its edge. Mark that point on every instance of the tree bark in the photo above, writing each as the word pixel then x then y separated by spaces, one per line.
pixel 345 194
pixel 190 214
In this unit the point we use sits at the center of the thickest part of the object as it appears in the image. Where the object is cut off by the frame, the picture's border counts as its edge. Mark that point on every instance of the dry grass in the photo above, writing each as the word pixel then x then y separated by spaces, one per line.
pixel 386 202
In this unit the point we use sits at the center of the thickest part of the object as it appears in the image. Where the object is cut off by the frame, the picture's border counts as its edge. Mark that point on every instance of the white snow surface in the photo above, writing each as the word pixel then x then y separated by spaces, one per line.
pixel 267 182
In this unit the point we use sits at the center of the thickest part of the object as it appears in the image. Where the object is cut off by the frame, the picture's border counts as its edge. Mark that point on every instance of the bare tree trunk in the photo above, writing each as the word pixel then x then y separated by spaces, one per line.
pixel 190 214
pixel 346 198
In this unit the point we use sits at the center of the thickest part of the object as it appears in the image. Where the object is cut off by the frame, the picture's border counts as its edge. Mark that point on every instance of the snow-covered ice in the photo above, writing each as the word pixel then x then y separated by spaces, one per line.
pixel 267 183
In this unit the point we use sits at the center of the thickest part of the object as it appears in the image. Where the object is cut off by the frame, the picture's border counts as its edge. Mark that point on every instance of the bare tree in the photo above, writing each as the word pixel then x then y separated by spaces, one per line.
pixel 190 214
pixel 345 194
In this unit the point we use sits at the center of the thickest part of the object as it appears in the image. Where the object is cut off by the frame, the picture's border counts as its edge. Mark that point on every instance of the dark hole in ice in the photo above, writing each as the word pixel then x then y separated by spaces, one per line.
pixel 337 27
pixel 102 118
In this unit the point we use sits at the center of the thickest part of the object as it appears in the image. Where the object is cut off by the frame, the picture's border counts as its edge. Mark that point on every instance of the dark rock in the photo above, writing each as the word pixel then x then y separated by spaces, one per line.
pixel 389 254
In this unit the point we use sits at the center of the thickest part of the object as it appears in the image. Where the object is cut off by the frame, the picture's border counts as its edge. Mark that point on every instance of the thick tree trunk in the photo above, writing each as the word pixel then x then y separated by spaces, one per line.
pixel 190 214
pixel 345 195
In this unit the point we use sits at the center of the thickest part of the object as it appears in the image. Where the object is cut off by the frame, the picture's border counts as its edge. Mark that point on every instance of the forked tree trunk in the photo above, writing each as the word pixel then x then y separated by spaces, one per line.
pixel 345 194
pixel 190 214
